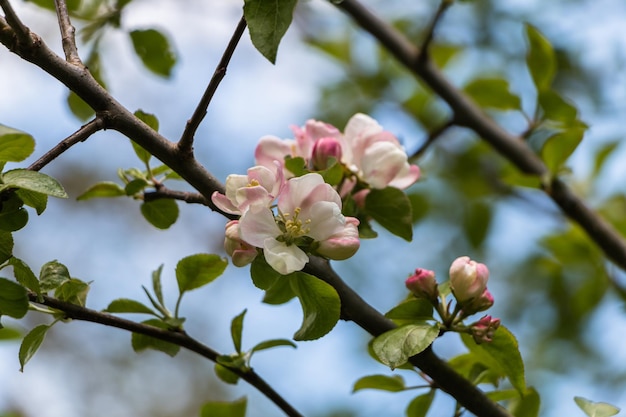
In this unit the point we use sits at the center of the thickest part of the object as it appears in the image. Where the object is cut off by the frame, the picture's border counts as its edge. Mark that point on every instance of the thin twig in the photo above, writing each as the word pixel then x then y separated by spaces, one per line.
pixel 21 31
pixel 79 136
pixel 68 32
pixel 185 145
pixel 187 197
pixel 432 137
pixel 179 338
pixel 430 32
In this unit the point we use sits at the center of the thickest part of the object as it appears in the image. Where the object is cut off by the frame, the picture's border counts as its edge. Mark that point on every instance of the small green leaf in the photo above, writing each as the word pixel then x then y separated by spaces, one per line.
pixel 602 154
pixel 560 146
pixel 596 409
pixel 236 408
pixel 24 275
pixel 420 405
pixel 38 201
pixel 154 50
pixel 391 208
pixel 52 275
pixel 411 310
pixel 268 20
pixel 125 305
pixel 32 181
pixel 135 186
pixel 141 342
pixel 504 349
pixel 320 305
pixel 13 299
pixel 102 190
pixel 393 383
pixel 151 121
pixel 160 213
pixel 11 221
pixel 6 246
pixel 493 93
pixel 297 166
pixel 31 343
pixel 556 108
pixel 156 284
pixel 269 344
pixel 225 374
pixel 396 346
pixel 540 59
pixel 236 330
pixel 73 291
pixel 9 333
pixel 79 107
pixel 15 146
pixel 526 405
pixel 198 270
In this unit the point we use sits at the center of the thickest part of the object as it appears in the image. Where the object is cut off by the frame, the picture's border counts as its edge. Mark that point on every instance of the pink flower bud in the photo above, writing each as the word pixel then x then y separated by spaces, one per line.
pixel 483 329
pixel 326 151
pixel 468 279
pixel 423 285
pixel 342 244
pixel 241 252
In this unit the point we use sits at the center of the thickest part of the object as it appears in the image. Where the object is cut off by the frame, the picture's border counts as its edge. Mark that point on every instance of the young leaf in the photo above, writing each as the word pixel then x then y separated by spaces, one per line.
pixel 225 374
pixel 412 309
pixel 15 146
pixel 125 305
pixel 38 201
pixel 420 405
pixel 279 293
pixel 540 58
pixel 33 181
pixel 596 409
pixel 135 186
pixel 198 270
pixel 6 246
pixel 262 274
pixel 31 343
pixel 141 342
pixel 559 147
pixel 13 299
pixel 24 275
pixel 236 330
pixel 391 208
pixel 160 213
pixel 493 93
pixel 394 383
pixel 79 107
pixel 556 108
pixel 151 121
pixel 73 291
pixel 268 20
pixel 10 333
pixel 526 405
pixel 268 344
pixel 396 346
pixel 320 305
pixel 13 220
pixel 156 284
pixel 154 50
pixel 101 190
pixel 236 408
pixel 52 275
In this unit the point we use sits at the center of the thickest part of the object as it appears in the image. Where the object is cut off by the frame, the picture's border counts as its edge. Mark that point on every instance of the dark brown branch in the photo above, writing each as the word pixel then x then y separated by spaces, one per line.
pixel 79 136
pixel 68 31
pixel 430 32
pixel 469 115
pixel 432 137
pixel 181 339
pixel 22 32
pixel 185 145
pixel 187 197
pixel 354 308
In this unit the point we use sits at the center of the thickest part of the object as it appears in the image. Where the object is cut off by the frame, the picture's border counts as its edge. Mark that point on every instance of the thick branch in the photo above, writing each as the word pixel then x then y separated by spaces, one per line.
pixel 67 33
pixel 22 33
pixel 468 114
pixel 181 339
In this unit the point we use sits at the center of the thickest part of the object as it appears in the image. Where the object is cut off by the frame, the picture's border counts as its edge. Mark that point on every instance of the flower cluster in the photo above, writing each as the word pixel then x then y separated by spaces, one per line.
pixel 468 284
pixel 289 215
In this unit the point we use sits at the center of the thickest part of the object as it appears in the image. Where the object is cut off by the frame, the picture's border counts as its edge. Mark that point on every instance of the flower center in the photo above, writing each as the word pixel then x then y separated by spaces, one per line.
pixel 253 183
pixel 293 226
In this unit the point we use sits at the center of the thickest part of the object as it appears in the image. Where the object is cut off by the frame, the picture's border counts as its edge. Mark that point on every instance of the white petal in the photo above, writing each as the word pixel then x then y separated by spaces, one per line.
pixel 258 224
pixel 284 259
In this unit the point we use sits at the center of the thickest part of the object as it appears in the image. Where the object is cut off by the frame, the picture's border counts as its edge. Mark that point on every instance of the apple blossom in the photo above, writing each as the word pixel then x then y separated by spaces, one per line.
pixel 241 252
pixel 468 279
pixel 260 186
pixel 484 329
pixel 309 216
pixel 423 285
pixel 478 304
pixel 325 151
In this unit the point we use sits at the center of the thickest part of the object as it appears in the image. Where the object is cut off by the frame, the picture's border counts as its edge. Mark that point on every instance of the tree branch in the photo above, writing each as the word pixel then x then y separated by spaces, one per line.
pixel 67 33
pixel 22 32
pixel 432 137
pixel 430 32
pixel 187 197
pixel 185 144
pixel 181 339
pixel 468 114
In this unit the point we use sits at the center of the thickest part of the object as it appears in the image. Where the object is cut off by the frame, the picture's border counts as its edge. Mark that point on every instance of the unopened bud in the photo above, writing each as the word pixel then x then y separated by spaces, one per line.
pixel 423 285
pixel 484 329
pixel 241 252
pixel 326 151
pixel 468 279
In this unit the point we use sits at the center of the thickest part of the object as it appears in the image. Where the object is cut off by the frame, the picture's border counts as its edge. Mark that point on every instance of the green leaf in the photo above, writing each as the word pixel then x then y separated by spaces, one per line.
pixel 493 93
pixel 391 208
pixel 33 181
pixel 280 292
pixel 411 310
pixel 161 213
pixel 476 222
pixel 79 107
pixel 420 405
pixel 6 246
pixel 135 186
pixel 125 305
pixel 24 275
pixel 540 58
pixel 38 201
pixel 101 190
pixel 596 409
pixel 601 156
pixel 31 343
pixel 560 146
pixel 151 121
pixel 225 374
pixel 527 405
pixel 52 275
pixel 504 349
pixel 198 270
pixel 393 383
pixel 236 408
pixel 262 274
pixel 11 221
pixel 9 333
pixel 556 108
pixel 268 344
pixel 236 330
pixel 154 50
pixel 156 284
pixel 268 20
pixel 13 299
pixel 297 165
pixel 15 146
pixel 396 346
pixel 73 291
pixel 320 305
pixel 141 342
